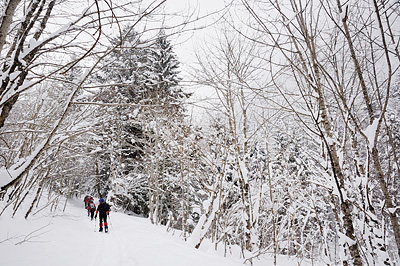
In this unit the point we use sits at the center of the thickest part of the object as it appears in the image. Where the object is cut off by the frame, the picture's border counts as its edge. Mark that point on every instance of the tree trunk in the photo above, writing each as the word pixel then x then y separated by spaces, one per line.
pixel 337 171
pixel 388 200
pixel 7 20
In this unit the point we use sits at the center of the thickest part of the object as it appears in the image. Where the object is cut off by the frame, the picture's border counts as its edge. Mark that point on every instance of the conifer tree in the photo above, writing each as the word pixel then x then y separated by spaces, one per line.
pixel 163 80
pixel 141 104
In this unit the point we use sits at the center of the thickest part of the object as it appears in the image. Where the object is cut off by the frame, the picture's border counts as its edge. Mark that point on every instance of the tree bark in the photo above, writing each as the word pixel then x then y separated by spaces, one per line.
pixel 388 200
pixel 5 111
pixel 338 175
pixel 7 20
pixel 375 154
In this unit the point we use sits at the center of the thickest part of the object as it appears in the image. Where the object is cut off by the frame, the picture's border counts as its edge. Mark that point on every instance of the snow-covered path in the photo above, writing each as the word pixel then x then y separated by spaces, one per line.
pixel 71 239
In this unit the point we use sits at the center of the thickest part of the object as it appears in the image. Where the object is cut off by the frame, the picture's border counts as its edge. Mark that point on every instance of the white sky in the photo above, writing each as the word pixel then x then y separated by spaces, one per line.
pixel 185 44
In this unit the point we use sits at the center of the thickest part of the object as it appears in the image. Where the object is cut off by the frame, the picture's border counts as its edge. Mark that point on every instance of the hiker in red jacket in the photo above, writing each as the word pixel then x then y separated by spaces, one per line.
pixel 104 210
pixel 87 200
pixel 91 208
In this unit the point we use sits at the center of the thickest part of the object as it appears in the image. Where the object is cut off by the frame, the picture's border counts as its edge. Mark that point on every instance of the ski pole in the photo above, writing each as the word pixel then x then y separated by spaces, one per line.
pixel 109 219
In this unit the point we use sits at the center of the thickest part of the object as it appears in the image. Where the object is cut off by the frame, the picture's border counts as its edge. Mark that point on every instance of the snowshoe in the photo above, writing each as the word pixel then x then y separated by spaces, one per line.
pixel 101 229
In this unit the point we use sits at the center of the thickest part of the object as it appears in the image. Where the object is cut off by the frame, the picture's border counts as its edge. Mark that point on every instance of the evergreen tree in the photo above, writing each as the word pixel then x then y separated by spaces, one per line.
pixel 119 124
pixel 163 80
pixel 145 99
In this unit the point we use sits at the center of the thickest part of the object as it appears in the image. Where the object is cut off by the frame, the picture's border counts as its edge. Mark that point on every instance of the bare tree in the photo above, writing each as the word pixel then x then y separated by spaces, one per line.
pixel 230 68
pixel 315 41
pixel 18 74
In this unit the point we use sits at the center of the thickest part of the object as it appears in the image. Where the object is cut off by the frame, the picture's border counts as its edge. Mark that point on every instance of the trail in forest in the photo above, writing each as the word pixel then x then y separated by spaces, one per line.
pixel 72 239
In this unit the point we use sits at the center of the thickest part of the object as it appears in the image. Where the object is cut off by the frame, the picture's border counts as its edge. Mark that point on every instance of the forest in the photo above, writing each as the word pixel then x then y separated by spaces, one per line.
pixel 278 135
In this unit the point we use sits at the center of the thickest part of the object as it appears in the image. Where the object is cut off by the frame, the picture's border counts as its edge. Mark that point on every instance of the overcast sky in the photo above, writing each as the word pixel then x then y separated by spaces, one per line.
pixel 185 44
pixel 197 8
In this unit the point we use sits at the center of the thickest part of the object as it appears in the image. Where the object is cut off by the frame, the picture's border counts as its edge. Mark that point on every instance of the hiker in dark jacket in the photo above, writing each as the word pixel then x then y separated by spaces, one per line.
pixel 104 210
pixel 86 199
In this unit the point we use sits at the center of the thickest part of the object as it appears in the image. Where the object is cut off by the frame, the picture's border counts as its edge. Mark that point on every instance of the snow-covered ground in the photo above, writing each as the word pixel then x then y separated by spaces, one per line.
pixel 70 238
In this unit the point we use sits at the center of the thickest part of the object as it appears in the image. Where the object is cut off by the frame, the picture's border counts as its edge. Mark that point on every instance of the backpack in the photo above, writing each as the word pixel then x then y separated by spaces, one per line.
pixel 103 208
pixel 92 206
